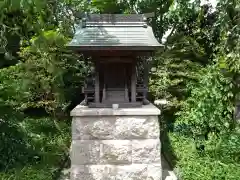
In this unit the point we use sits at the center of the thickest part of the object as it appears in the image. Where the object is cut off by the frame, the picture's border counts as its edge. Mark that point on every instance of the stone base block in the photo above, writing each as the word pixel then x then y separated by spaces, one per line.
pixel 101 152
pixel 115 151
pixel 117 172
pixel 120 144
pixel 115 127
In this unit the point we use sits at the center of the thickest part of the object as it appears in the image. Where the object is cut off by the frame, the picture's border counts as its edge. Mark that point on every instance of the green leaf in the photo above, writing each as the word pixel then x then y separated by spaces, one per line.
pixel 15 4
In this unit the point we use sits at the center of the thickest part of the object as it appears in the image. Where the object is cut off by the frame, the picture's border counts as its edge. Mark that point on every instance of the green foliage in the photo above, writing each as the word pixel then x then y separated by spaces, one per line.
pixel 198 72
pixel 108 6
pixel 224 148
pixel 32 148
pixel 52 75
pixel 209 108
pixel 11 85
pixel 218 162
pixel 176 66
pixel 188 48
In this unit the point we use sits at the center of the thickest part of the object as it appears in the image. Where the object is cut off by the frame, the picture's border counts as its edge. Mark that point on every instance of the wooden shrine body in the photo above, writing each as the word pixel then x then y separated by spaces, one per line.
pixel 115 81
pixel 119 47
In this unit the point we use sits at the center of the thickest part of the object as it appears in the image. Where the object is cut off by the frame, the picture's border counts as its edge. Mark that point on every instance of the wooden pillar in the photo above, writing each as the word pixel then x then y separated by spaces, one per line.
pixel 133 83
pixel 104 93
pixel 145 77
pixel 125 85
pixel 97 84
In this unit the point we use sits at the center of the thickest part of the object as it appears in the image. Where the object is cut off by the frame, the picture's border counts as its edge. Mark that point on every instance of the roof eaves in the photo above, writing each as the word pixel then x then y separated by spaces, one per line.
pixel 102 47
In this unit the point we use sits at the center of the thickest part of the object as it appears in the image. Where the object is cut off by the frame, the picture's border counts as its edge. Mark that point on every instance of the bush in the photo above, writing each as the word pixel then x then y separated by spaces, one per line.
pixel 32 149
pixel 52 75
pixel 11 138
pixel 48 78
pixel 205 140
pixel 192 165
pixel 12 86
pixel 14 146
pixel 210 106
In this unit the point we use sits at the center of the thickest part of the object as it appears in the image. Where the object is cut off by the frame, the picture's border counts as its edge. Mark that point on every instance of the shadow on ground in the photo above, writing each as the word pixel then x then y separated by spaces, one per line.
pixel 169 159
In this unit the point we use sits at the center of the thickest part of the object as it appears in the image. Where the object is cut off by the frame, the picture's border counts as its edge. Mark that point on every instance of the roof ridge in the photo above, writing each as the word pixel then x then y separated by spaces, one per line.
pixel 115 18
pixel 115 24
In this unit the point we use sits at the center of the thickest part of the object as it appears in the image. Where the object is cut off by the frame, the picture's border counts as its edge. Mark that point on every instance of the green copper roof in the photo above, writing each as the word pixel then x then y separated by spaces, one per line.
pixel 114 31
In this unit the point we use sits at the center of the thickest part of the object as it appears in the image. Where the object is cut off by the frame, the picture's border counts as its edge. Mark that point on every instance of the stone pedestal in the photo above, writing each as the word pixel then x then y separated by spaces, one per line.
pixel 120 144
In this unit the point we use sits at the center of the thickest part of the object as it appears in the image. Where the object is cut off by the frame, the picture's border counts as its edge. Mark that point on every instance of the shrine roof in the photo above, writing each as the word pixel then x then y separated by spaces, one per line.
pixel 102 31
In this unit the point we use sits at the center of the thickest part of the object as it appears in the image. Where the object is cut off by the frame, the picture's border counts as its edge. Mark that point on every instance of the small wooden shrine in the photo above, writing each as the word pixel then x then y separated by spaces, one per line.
pixel 120 47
